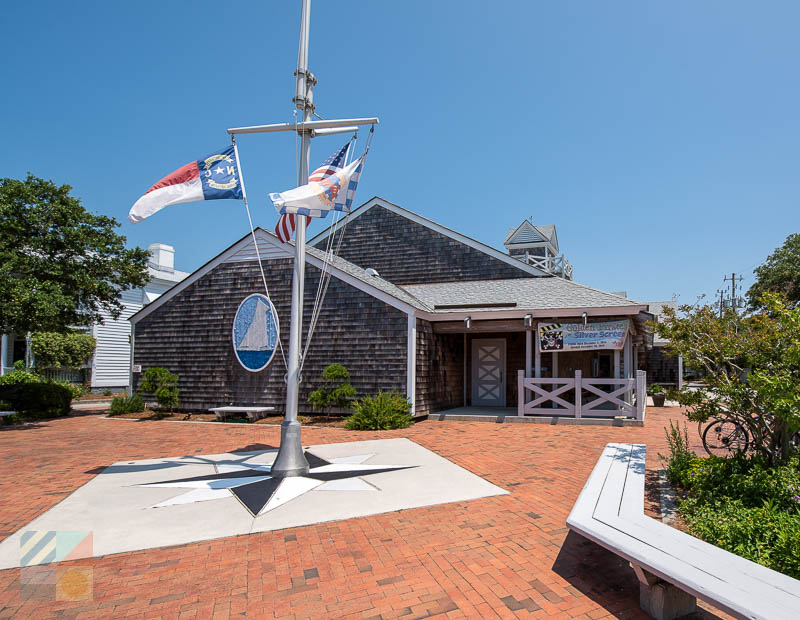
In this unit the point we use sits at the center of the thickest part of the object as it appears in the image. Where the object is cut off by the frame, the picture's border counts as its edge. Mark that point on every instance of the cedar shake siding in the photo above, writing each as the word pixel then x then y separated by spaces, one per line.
pixel 191 336
pixel 440 370
pixel 661 368
pixel 405 252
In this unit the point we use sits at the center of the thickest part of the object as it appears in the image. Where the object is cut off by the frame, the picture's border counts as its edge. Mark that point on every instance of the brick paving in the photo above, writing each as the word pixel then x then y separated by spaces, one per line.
pixel 508 556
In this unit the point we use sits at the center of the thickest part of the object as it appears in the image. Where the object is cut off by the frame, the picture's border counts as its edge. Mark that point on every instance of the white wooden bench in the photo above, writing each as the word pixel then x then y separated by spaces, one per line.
pixel 253 413
pixel 672 567
pixel 5 413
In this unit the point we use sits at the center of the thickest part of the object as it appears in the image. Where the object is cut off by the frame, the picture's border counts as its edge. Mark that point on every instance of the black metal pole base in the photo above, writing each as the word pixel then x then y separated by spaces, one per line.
pixel 290 461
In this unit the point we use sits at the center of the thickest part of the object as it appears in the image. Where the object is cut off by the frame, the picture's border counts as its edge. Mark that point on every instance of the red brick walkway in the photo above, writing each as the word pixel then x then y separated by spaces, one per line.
pixel 508 556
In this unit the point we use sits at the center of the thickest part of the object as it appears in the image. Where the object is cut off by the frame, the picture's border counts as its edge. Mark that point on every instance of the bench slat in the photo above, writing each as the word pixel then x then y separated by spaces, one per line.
pixel 610 512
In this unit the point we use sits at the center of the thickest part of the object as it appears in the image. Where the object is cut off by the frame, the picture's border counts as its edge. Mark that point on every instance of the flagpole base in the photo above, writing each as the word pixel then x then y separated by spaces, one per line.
pixel 291 461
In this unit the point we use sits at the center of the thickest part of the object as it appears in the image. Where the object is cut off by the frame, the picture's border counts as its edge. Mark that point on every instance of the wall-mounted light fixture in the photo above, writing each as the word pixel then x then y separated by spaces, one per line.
pixel 585 316
pixel 528 320
pixel 468 322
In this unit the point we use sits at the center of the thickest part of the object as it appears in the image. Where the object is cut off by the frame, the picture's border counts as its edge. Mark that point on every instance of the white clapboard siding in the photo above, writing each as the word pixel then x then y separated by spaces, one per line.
pixel 112 356
pixel 266 249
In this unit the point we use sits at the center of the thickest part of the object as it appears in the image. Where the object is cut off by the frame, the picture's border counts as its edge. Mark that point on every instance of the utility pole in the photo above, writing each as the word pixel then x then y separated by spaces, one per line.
pixel 734 300
pixel 721 301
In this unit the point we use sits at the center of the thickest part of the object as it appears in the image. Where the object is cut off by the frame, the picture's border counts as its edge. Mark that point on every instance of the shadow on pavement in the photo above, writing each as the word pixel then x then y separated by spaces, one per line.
pixel 604 577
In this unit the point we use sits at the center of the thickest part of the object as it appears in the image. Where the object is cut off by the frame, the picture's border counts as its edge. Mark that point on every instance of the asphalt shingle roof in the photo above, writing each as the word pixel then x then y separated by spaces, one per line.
pixel 527 293
pixel 376 281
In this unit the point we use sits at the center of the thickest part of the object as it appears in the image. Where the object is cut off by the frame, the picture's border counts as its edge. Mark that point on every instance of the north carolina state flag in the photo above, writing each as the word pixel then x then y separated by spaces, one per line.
pixel 211 178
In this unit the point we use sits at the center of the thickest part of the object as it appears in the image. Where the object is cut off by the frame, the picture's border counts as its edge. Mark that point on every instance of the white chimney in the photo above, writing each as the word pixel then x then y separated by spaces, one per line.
pixel 162 256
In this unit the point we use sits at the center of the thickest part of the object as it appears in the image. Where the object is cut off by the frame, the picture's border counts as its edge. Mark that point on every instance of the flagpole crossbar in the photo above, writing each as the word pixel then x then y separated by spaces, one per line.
pixel 305 127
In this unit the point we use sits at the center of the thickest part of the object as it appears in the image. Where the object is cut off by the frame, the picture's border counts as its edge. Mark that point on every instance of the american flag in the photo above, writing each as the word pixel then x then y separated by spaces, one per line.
pixel 287 222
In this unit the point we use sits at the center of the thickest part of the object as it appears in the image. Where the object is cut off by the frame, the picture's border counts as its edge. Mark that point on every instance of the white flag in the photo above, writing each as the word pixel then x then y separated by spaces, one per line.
pixel 318 197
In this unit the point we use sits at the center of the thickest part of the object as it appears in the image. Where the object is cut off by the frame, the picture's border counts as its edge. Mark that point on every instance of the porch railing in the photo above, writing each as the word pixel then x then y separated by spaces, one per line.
pixel 557 265
pixel 582 397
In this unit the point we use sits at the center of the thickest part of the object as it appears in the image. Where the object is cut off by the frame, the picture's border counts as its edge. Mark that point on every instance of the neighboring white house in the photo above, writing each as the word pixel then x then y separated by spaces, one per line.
pixel 111 361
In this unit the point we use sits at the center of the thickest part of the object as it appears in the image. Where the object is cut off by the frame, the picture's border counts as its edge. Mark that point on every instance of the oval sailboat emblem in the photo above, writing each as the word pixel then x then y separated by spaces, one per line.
pixel 255 332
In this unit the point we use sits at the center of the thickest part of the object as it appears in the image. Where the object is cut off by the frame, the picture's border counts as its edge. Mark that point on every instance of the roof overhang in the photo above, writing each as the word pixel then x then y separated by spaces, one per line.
pixel 520 313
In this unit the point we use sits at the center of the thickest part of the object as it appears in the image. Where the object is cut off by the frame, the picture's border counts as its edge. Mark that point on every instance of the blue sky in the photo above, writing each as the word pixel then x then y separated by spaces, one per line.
pixel 660 138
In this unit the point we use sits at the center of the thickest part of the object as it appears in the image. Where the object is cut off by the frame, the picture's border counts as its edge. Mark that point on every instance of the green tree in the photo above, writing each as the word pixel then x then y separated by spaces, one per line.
pixel 780 273
pixel 752 369
pixel 55 350
pixel 60 266
pixel 335 391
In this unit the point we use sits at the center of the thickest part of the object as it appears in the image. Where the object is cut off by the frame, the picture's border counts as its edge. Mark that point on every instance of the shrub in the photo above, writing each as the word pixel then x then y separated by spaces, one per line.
pixel 76 389
pixel 126 404
pixel 55 350
pixel 680 456
pixel 656 389
pixel 37 399
pixel 335 391
pixel 15 377
pixel 385 411
pixel 742 504
pixel 162 384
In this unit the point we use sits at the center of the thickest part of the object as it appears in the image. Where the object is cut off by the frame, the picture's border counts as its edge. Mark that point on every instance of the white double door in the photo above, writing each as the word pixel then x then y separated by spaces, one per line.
pixel 489 372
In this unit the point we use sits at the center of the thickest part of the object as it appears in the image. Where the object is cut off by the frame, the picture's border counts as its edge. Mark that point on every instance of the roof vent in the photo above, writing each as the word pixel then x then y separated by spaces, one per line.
pixel 371 272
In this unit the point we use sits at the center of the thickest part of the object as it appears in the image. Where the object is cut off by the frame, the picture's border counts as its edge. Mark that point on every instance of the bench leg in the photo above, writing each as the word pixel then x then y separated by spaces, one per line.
pixel 662 600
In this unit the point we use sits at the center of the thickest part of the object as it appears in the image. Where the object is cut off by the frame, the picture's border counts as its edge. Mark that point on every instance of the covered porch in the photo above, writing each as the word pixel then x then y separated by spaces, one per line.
pixel 508 369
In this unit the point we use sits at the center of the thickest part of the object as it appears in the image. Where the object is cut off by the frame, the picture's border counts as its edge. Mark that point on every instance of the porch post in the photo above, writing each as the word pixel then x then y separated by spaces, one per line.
pixel 578 392
pixel 411 362
pixel 520 393
pixel 537 355
pixel 616 363
pixel 465 369
pixel 528 355
pixel 680 372
pixel 4 353
pixel 528 352
pixel 641 393
pixel 628 367
pixel 555 374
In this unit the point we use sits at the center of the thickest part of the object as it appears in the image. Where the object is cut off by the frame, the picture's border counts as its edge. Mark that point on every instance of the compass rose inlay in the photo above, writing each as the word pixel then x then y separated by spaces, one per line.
pixel 259 492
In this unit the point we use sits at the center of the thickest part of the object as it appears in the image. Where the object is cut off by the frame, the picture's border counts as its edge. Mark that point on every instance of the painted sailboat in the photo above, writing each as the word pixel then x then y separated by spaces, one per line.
pixel 255 332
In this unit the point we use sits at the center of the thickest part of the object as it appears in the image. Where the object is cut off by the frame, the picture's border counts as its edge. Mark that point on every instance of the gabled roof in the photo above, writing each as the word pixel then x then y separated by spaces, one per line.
pixel 519 294
pixel 377 201
pixel 269 244
pixel 527 232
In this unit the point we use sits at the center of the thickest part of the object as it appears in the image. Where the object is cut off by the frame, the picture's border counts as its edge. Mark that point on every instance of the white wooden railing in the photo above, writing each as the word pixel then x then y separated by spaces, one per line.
pixel 557 265
pixel 626 397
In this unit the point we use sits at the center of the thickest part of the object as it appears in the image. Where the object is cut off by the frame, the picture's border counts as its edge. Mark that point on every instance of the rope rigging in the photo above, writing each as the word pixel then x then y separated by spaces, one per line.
pixel 330 253
pixel 253 235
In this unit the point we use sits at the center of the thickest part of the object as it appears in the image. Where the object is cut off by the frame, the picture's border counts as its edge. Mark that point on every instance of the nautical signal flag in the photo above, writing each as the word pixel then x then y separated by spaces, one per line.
pixel 332 165
pixel 317 198
pixel 211 178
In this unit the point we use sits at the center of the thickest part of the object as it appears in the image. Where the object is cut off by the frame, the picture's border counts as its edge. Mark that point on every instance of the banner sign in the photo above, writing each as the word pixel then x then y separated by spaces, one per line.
pixel 580 337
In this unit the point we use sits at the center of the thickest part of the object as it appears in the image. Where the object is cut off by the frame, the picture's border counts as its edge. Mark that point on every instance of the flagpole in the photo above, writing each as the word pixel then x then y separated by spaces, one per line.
pixel 290 460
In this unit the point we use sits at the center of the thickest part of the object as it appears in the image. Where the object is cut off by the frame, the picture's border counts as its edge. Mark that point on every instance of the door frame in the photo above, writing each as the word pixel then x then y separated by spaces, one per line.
pixel 501 342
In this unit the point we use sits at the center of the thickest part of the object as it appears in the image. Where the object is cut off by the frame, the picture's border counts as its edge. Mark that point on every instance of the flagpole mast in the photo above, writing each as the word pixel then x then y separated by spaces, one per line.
pixel 290 460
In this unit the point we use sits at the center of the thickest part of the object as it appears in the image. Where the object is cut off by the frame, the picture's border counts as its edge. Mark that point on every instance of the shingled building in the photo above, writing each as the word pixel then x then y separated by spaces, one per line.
pixel 412 306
